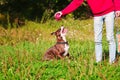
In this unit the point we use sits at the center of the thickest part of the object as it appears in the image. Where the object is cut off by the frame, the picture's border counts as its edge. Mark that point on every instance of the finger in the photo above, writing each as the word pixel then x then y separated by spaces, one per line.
pixel 117 14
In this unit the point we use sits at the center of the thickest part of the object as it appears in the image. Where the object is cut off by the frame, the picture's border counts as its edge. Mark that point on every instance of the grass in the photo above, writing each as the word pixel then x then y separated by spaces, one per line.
pixel 22 48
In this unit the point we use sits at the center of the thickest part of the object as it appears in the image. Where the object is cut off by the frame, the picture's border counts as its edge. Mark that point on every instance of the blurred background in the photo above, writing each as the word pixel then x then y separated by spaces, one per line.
pixel 18 11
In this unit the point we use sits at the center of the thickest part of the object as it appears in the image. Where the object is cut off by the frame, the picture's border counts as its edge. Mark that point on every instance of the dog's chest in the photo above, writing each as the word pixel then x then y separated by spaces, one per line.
pixel 66 49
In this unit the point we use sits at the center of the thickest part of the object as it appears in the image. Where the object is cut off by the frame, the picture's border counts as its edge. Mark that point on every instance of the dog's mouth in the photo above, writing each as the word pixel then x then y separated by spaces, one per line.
pixel 63 30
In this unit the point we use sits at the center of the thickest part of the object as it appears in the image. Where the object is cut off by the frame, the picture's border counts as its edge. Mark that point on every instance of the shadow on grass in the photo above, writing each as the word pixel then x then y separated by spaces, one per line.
pixel 106 56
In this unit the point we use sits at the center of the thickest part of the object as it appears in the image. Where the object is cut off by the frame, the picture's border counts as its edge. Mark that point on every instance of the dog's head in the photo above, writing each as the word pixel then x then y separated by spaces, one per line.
pixel 60 34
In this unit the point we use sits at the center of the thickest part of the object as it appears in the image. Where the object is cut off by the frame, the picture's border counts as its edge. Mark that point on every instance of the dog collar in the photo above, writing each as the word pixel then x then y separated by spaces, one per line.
pixel 62 42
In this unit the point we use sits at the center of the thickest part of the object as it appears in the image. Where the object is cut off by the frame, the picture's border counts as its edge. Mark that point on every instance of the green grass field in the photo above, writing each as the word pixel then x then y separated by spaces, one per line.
pixel 21 50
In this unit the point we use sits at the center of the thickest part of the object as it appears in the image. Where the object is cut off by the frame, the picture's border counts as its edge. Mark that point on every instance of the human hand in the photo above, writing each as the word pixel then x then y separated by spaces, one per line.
pixel 117 13
pixel 58 15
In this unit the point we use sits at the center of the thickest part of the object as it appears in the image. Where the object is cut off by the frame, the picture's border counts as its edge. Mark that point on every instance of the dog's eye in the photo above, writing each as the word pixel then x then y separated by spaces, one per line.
pixel 58 35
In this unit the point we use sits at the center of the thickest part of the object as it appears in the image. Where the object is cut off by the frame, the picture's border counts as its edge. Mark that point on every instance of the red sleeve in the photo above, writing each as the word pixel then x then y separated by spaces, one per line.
pixel 117 5
pixel 72 6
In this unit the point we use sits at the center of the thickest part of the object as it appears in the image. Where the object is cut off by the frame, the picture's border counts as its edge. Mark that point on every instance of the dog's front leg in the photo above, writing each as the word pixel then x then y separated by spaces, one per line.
pixel 58 55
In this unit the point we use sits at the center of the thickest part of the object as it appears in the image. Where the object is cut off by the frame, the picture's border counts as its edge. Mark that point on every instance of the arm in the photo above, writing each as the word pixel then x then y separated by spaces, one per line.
pixel 117 5
pixel 70 8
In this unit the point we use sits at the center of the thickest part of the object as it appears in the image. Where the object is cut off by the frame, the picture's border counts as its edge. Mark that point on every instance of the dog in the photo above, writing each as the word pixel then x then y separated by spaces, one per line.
pixel 60 49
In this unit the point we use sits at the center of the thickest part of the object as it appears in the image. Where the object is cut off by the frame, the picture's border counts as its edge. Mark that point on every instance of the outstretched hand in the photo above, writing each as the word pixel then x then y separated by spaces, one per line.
pixel 58 15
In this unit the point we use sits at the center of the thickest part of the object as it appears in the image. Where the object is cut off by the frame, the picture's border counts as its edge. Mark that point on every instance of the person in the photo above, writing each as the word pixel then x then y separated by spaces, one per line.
pixel 103 11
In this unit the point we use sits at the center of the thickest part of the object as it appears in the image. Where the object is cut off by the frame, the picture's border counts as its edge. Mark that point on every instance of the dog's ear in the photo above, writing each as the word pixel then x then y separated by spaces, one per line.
pixel 52 33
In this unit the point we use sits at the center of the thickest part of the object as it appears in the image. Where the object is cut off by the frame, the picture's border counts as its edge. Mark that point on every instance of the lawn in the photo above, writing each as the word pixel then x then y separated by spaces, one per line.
pixel 22 48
